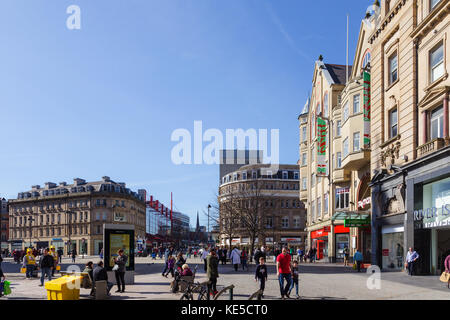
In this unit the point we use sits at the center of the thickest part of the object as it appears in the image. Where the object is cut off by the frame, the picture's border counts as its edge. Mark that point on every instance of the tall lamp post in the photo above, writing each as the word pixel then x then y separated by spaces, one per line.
pixel 69 243
pixel 31 219
pixel 209 236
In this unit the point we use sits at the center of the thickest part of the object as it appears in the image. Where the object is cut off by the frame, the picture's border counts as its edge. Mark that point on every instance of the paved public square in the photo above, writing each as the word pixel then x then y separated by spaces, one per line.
pixel 318 281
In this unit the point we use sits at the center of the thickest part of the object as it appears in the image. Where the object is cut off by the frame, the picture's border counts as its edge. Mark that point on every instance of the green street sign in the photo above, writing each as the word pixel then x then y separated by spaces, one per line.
pixel 360 223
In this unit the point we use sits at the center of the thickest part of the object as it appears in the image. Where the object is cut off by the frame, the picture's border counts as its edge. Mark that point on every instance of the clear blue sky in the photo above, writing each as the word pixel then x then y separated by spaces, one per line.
pixel 105 99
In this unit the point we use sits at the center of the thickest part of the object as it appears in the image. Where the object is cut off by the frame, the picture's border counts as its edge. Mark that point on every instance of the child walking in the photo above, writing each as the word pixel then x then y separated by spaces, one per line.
pixel 295 279
pixel 261 275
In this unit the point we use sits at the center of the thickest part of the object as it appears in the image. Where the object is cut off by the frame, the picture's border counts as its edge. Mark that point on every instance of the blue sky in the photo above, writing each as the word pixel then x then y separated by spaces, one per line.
pixel 104 100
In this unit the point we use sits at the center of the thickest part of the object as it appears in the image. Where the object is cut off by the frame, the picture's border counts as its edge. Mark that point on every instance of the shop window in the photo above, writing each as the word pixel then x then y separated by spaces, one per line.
pixel 393 68
pixel 437 123
pixel 393 123
pixel 437 62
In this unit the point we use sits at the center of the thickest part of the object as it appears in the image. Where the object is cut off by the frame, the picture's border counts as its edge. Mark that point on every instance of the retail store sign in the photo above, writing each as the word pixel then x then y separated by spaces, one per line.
pixel 292 240
pixel 357 223
pixel 364 202
pixel 434 216
pixel 385 252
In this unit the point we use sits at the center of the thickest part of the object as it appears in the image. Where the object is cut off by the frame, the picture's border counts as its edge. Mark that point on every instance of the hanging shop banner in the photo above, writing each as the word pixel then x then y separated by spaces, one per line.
pixel 321 147
pixel 366 78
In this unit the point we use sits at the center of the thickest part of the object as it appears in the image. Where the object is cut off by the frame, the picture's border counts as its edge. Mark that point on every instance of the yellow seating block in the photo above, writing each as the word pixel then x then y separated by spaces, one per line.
pixel 64 288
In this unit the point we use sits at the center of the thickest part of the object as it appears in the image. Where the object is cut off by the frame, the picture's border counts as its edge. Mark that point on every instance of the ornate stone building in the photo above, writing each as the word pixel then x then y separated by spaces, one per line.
pixel 72 216
pixel 410 138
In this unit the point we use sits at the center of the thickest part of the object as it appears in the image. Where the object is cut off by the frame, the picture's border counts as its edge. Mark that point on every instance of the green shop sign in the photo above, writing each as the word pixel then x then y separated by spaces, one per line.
pixel 361 223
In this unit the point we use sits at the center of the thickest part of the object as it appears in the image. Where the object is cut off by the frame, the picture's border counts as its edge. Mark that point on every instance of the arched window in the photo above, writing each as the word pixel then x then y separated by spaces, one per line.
pixel 366 58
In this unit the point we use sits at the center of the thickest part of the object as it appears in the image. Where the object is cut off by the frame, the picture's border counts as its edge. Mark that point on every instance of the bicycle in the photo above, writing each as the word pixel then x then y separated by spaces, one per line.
pixel 200 288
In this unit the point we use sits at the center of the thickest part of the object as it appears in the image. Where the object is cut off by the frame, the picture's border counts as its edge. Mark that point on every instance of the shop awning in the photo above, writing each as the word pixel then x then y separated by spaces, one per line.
pixel 342 215
pixel 353 218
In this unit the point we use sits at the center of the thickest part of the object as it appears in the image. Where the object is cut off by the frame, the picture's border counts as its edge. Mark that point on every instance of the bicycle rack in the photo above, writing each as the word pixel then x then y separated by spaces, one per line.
pixel 230 288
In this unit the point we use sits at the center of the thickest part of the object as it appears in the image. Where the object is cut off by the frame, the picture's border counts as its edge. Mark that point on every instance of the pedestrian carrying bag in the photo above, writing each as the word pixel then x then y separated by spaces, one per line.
pixel 354 265
pixel 23 270
pixel 445 277
pixel 116 267
pixel 58 268
pixel 6 288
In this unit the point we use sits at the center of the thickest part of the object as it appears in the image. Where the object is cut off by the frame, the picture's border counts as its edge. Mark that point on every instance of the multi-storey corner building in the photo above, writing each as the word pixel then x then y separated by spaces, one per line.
pixel 4 224
pixel 410 135
pixel 72 216
pixel 269 198
pixel 334 181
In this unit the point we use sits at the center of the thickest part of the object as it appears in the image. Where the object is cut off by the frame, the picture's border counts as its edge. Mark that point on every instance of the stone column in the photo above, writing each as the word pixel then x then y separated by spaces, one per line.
pixel 425 127
pixel 446 115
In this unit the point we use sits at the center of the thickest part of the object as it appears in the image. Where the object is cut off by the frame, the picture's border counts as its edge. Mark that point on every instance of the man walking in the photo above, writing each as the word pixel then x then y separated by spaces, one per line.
pixel 284 263
pixel 46 264
pixel 204 256
pixel 358 258
pixel 167 253
pixel 212 271
pixel 411 258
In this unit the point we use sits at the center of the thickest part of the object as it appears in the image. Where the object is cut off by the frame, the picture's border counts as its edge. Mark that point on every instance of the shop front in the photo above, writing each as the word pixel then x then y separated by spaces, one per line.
pixel 393 248
pixel 432 224
pixel 319 241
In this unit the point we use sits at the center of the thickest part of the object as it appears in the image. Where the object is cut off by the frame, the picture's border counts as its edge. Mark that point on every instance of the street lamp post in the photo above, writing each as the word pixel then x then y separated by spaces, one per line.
pixel 209 236
pixel 69 243
pixel 31 219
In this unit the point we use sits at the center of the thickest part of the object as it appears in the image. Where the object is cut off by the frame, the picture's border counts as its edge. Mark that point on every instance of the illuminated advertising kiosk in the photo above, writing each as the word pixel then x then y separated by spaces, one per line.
pixel 115 237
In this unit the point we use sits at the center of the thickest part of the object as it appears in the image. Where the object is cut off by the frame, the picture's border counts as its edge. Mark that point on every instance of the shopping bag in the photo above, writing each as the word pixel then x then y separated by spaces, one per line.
pixel 445 277
pixel 6 288
pixel 23 270
pixel 354 265
pixel 58 268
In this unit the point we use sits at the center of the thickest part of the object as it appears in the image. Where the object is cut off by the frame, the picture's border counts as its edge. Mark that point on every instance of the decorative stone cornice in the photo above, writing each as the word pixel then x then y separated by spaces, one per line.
pixel 384 23
pixel 391 152
pixel 436 15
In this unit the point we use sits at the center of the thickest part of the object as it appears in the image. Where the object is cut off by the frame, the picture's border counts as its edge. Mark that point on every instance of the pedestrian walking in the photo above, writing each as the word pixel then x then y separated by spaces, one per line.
pixel 260 253
pixel 74 255
pixel 244 257
pixel 55 259
pixel 295 279
pixel 170 266
pixel 60 254
pixel 2 276
pixel 212 271
pixel 46 264
pixel 411 258
pixel 167 253
pixel 29 262
pixel 261 275
pixel 284 262
pixel 204 255
pixel 346 253
pixel 120 268
pixel 314 255
pixel 225 251
pixel 235 257
pixel 358 258
pixel 447 270
pixel 299 255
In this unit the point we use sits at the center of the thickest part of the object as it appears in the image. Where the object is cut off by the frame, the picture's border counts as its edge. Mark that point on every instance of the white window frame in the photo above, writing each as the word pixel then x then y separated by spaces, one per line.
pixel 345 148
pixel 358 110
pixel 345 112
pixel 391 124
pixel 439 66
pixel 438 120
pixel 356 141
pixel 338 128
pixel 393 57
pixel 285 222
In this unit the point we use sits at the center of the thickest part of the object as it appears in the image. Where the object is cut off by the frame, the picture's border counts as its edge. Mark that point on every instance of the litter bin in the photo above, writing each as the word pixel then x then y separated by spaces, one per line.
pixel 64 288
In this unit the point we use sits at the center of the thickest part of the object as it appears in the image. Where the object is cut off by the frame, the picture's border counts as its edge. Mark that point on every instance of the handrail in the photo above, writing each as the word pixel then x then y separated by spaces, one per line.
pixel 231 287
pixel 257 295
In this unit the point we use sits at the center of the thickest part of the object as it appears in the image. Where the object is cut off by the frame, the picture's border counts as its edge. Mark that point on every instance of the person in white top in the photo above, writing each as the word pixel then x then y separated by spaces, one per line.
pixel 235 257
pixel 205 253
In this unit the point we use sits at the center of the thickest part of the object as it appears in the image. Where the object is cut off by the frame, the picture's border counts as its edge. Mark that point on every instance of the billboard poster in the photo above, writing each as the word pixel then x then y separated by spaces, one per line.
pixel 321 147
pixel 118 237
pixel 366 111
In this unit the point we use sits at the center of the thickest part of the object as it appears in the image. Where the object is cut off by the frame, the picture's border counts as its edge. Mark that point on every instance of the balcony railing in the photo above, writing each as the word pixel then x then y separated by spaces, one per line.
pixel 430 147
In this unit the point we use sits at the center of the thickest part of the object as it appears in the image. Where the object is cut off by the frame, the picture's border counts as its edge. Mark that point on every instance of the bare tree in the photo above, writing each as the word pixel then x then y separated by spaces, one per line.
pixel 256 201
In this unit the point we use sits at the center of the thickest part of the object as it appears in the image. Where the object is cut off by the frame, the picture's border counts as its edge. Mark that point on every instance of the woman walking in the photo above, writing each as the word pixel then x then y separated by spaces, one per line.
pixel 235 258
pixel 212 271
pixel 244 257
pixel 121 262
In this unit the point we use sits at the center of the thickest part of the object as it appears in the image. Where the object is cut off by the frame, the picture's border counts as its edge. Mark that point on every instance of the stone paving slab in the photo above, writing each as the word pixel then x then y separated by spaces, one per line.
pixel 317 282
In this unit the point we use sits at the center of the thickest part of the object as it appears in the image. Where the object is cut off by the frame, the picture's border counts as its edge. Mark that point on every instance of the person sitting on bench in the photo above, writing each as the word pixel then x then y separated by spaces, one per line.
pixel 100 274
